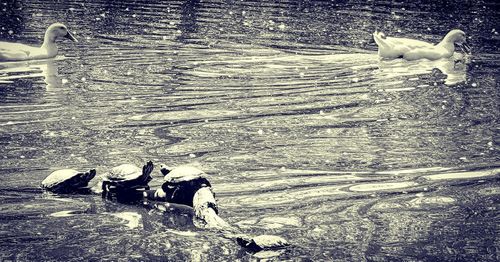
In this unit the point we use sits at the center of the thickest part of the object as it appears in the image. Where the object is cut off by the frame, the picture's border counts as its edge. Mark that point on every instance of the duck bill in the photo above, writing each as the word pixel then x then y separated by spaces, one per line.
pixel 71 37
pixel 466 48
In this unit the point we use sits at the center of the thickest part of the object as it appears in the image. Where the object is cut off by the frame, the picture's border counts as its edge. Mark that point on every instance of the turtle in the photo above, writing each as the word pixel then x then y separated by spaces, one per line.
pixel 126 178
pixel 180 185
pixel 67 181
pixel 181 173
pixel 189 186
pixel 262 242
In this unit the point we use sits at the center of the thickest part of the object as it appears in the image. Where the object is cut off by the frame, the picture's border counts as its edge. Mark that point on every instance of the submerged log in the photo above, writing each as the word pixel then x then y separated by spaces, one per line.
pixel 205 209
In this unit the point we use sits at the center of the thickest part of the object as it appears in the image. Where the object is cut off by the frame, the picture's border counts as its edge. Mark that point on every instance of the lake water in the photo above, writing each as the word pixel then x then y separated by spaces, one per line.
pixel 304 132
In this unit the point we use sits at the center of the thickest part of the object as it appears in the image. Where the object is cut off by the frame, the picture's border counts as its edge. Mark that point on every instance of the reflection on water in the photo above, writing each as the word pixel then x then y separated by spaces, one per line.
pixel 132 218
pixel 447 71
pixel 47 69
pixel 304 131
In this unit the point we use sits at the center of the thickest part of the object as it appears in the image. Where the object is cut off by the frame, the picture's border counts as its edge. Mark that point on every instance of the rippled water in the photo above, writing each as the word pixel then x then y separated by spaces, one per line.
pixel 305 133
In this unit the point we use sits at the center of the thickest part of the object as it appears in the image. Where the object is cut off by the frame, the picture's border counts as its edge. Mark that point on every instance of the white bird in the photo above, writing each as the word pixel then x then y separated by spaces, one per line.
pixel 20 52
pixel 411 49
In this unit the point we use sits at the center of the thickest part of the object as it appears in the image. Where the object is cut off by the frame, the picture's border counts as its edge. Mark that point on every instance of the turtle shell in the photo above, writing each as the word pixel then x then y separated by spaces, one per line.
pixel 124 172
pixel 183 174
pixel 262 242
pixel 67 180
pixel 129 175
pixel 184 191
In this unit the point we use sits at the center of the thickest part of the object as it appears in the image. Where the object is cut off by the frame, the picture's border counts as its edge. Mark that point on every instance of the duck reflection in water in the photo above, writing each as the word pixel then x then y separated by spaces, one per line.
pixel 47 69
pixel 450 71
pixel 50 74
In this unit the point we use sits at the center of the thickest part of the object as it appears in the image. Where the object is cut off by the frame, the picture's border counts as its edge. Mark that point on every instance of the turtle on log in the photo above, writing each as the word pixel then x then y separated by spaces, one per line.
pixel 126 180
pixel 66 181
pixel 183 185
pixel 188 185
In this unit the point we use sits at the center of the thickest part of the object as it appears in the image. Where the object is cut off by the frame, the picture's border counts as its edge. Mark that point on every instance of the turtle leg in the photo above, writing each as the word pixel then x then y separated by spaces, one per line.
pixel 104 188
pixel 110 186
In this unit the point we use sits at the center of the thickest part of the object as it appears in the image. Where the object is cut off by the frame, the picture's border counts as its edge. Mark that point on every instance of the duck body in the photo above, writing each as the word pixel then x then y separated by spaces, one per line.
pixel 412 49
pixel 21 52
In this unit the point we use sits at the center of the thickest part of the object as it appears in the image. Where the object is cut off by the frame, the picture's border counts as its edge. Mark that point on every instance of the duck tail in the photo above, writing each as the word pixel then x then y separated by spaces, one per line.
pixel 379 38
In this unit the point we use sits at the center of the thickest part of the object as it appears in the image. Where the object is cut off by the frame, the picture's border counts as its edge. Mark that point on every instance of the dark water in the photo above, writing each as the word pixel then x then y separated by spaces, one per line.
pixel 305 133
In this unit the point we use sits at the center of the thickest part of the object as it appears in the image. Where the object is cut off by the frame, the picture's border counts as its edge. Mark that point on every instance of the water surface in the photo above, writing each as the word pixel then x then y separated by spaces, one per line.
pixel 304 131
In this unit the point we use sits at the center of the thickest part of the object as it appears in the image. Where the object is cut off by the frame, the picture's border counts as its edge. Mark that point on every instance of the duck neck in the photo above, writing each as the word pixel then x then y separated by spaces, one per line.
pixel 447 43
pixel 49 44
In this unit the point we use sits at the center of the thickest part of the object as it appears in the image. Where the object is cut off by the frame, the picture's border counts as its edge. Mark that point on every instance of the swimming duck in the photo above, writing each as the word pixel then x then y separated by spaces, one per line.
pixel 20 52
pixel 411 49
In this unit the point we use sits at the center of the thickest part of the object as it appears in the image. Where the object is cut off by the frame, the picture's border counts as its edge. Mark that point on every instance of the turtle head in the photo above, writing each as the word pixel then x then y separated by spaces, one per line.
pixel 247 242
pixel 90 175
pixel 147 168
pixel 164 169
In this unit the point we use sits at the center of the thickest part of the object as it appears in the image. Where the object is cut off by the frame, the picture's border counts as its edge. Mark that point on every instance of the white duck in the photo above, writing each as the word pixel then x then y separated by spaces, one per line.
pixel 411 49
pixel 20 52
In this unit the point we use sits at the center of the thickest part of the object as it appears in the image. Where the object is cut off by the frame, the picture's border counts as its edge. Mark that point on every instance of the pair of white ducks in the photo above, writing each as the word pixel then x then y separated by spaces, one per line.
pixel 388 47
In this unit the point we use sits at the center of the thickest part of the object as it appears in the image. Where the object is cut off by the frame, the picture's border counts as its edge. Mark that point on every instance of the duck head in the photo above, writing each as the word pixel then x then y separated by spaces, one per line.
pixel 56 31
pixel 457 37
